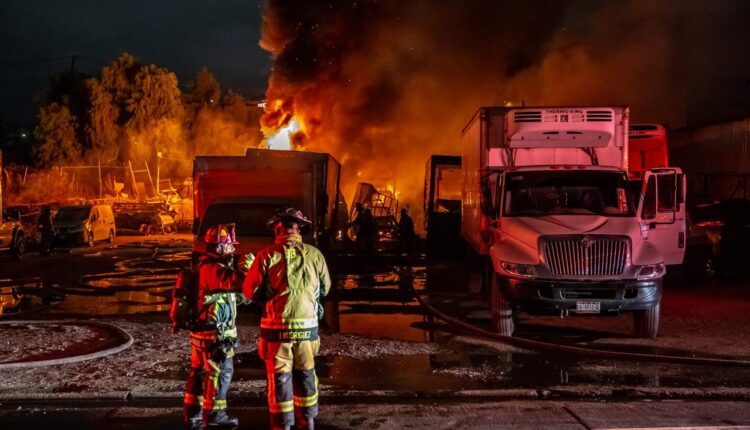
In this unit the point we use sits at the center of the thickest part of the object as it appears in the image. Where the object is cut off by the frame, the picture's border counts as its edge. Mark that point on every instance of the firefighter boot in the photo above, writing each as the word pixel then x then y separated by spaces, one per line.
pixel 193 424
pixel 304 424
pixel 220 419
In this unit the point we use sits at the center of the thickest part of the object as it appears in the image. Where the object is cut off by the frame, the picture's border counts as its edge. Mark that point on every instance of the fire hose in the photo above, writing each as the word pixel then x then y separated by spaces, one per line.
pixel 541 346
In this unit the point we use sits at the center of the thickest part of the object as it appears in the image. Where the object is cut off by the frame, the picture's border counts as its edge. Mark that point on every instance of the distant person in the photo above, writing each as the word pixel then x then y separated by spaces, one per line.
pixel 406 234
pixel 46 230
pixel 213 336
pixel 288 279
pixel 366 230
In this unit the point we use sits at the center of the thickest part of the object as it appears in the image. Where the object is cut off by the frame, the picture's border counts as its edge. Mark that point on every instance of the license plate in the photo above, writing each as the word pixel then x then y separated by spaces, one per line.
pixel 588 307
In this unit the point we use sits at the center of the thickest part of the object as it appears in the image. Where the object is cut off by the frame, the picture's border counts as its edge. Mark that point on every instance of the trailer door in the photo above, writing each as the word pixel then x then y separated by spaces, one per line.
pixel 662 212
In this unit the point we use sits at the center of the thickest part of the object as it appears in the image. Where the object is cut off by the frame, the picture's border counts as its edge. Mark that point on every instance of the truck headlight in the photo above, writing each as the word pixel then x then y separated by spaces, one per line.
pixel 650 271
pixel 522 270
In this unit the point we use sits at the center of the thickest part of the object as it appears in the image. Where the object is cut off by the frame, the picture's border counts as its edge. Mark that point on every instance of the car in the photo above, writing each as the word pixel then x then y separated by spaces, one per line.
pixel 13 237
pixel 85 224
pixel 726 227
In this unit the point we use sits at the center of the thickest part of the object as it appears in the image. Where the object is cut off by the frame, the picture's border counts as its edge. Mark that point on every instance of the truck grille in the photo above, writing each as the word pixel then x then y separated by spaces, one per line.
pixel 586 256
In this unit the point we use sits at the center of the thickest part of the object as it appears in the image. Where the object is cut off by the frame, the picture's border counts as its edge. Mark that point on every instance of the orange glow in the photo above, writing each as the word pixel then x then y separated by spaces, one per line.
pixel 283 128
pixel 282 138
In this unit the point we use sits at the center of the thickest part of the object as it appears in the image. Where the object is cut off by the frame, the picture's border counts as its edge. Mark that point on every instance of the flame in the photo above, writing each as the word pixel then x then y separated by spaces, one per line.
pixel 282 138
pixel 283 128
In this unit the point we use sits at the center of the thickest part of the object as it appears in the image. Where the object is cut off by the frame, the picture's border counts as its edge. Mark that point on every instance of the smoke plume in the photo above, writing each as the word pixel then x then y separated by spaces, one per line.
pixel 382 85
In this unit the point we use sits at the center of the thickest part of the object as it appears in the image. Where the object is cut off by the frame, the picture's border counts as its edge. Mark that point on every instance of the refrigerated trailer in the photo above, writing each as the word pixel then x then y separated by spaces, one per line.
pixel 647 148
pixel 548 205
pixel 247 190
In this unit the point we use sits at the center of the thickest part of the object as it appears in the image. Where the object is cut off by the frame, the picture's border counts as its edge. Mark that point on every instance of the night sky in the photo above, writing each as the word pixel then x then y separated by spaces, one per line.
pixel 182 36
pixel 37 38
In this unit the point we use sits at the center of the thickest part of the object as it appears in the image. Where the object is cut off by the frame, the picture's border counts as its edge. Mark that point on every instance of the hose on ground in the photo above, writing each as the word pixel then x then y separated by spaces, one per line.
pixel 536 345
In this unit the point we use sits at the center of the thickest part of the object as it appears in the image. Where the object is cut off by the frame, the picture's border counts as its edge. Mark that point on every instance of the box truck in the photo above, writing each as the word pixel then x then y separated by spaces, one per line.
pixel 248 190
pixel 647 148
pixel 547 202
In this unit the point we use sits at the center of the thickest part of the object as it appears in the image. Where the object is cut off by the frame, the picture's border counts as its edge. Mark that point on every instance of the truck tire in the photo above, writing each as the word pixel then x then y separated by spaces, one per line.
pixel 646 322
pixel 111 238
pixel 90 239
pixel 502 311
pixel 19 247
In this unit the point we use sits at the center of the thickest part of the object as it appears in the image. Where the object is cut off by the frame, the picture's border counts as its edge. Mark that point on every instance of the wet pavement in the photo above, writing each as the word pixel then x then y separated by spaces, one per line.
pixel 375 300
pixel 519 415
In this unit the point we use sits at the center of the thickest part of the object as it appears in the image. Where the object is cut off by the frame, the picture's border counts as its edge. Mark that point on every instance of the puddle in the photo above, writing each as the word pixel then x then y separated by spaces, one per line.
pixel 25 297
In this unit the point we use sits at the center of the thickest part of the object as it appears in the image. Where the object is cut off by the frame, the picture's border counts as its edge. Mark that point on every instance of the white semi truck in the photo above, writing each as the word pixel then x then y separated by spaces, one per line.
pixel 548 205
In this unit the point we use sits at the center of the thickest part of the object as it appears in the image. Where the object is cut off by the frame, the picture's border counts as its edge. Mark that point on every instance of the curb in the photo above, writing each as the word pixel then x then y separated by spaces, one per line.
pixel 73 359
pixel 386 396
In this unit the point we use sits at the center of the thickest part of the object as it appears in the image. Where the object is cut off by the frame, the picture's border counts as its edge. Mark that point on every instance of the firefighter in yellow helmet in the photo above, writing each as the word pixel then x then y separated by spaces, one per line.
pixel 288 278
pixel 213 334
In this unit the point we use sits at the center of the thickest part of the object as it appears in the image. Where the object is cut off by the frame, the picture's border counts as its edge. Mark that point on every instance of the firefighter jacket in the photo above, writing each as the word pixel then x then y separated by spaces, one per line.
pixel 217 299
pixel 288 278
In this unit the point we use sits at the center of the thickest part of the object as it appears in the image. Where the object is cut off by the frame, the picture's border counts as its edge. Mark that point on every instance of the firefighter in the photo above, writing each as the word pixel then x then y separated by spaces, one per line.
pixel 289 278
pixel 406 234
pixel 365 223
pixel 214 335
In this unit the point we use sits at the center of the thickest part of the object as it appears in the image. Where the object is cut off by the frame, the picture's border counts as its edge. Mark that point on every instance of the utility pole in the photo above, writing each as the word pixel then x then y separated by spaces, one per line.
pixel 100 177
pixel 158 172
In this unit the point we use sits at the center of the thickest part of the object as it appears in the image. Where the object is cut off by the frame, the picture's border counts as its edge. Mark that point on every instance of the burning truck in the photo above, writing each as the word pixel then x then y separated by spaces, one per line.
pixel 247 190
pixel 548 205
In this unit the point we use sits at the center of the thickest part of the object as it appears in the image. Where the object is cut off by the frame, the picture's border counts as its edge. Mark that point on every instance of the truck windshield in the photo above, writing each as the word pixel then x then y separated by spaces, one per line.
pixel 535 194
pixel 73 213
pixel 249 218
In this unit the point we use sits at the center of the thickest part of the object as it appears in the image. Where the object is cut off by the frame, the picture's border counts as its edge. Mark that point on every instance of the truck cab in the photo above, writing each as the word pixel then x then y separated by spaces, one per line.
pixel 546 200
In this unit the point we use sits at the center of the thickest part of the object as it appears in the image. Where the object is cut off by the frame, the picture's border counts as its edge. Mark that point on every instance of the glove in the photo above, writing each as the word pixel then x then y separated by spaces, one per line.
pixel 246 262
pixel 242 300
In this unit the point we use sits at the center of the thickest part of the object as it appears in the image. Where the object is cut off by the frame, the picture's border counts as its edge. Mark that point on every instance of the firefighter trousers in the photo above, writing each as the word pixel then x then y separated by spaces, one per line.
pixel 292 383
pixel 208 382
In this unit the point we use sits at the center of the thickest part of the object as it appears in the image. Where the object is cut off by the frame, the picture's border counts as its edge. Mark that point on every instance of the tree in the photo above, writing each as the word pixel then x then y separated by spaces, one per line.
pixel 203 89
pixel 102 131
pixel 56 134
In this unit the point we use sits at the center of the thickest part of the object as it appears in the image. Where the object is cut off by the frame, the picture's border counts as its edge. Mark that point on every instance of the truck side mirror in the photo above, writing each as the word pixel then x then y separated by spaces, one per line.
pixel 681 188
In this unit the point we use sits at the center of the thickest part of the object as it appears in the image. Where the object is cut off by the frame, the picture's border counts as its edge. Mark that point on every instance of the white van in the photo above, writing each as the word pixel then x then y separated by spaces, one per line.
pixel 85 224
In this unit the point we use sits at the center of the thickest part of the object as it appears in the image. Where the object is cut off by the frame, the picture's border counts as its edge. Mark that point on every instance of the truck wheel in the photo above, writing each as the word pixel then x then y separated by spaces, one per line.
pixel 502 311
pixel 646 322
pixel 111 238
pixel 19 247
pixel 90 240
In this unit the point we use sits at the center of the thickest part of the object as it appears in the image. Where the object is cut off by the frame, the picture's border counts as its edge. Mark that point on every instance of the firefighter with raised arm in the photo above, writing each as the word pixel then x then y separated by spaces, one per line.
pixel 213 334
pixel 289 278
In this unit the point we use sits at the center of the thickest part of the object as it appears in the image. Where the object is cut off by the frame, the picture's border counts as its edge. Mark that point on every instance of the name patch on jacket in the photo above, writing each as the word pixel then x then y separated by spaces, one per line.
pixel 289 335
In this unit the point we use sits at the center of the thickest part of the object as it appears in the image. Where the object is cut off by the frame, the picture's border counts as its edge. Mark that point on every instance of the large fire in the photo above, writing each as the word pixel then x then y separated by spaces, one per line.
pixel 282 139
pixel 282 127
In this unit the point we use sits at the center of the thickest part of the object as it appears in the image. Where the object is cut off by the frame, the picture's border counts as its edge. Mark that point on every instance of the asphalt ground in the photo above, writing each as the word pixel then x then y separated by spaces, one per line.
pixel 435 415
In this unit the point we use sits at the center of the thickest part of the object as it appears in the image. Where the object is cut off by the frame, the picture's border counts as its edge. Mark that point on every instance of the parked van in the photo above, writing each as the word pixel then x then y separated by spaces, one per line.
pixel 85 224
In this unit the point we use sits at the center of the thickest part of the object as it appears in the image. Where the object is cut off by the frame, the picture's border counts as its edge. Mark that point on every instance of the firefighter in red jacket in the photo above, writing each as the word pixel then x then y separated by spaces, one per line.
pixel 214 335
pixel 288 278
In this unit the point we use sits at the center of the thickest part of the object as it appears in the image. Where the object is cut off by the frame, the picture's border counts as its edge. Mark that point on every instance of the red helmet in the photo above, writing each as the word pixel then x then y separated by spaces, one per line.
pixel 220 234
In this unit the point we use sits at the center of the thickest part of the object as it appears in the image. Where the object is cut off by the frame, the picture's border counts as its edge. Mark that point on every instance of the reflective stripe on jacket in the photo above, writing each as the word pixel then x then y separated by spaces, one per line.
pixel 217 301
pixel 289 277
